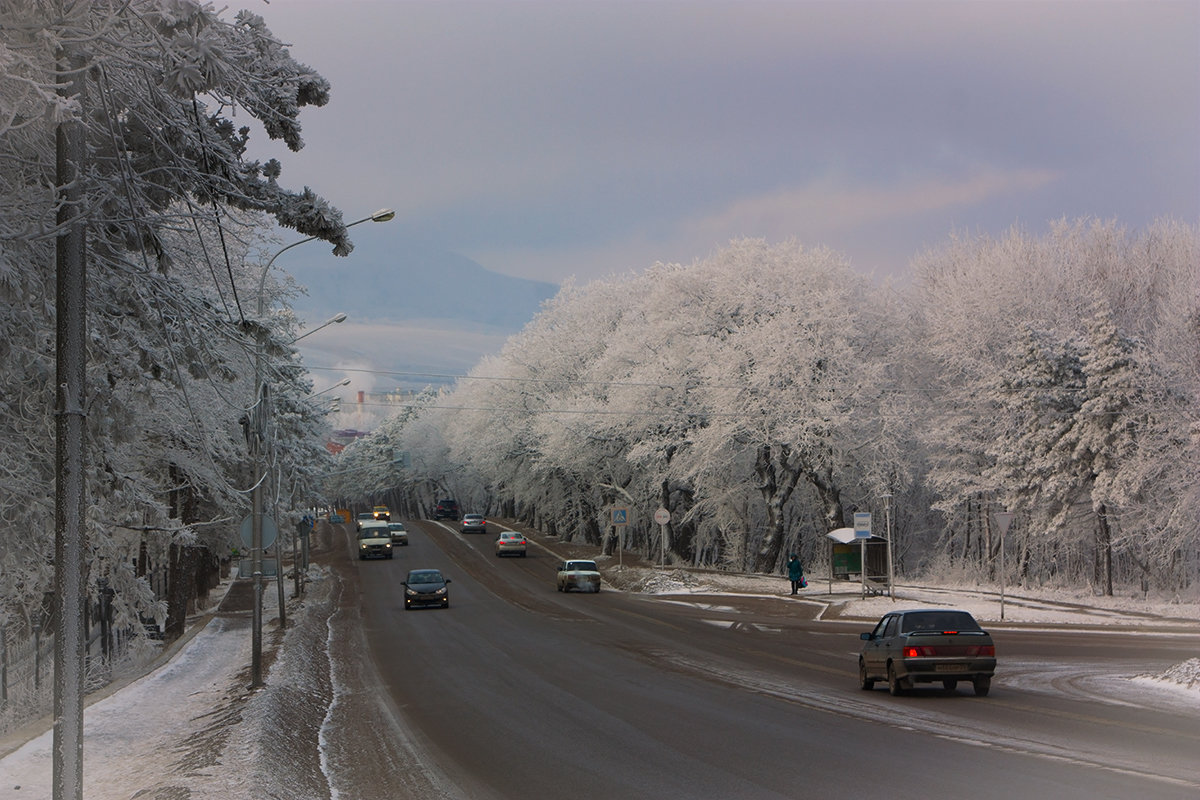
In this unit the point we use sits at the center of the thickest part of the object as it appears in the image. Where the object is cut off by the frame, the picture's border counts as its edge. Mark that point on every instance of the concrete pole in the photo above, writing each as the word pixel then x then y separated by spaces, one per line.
pixel 70 535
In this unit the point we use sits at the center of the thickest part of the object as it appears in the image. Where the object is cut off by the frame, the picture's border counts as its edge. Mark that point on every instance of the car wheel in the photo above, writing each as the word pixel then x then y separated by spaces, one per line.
pixel 894 687
pixel 982 685
pixel 866 683
pixel 949 686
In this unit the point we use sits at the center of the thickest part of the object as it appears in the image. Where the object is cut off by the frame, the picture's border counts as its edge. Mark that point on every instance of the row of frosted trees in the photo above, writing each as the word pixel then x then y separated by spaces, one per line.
pixel 119 116
pixel 765 394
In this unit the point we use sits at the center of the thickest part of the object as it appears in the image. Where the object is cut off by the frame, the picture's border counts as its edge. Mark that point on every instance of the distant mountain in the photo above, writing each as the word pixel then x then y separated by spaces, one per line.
pixel 387 281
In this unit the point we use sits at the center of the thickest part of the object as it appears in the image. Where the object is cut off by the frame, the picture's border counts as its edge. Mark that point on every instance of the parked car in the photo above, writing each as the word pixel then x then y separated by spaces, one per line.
pixel 365 516
pixel 381 512
pixel 426 587
pixel 375 541
pixel 511 543
pixel 582 575
pixel 927 646
pixel 399 533
pixel 474 523
pixel 446 509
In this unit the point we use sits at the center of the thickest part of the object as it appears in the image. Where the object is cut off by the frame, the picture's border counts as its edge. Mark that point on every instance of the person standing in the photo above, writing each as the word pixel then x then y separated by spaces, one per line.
pixel 795 572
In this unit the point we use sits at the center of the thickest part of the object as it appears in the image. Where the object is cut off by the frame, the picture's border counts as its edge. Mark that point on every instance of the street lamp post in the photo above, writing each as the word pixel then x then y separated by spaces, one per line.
pixel 258 419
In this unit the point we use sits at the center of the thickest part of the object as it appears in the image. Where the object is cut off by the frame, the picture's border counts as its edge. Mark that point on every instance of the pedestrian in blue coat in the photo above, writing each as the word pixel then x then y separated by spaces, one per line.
pixel 795 572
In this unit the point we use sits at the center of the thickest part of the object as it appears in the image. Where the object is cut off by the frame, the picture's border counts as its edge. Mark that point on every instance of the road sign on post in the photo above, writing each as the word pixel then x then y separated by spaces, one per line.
pixel 662 517
pixel 862 524
pixel 1003 520
pixel 620 516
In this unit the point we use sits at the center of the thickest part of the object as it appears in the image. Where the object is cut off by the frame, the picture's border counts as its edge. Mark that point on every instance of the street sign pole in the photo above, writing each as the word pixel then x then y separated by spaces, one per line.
pixel 662 516
pixel 862 532
pixel 1003 520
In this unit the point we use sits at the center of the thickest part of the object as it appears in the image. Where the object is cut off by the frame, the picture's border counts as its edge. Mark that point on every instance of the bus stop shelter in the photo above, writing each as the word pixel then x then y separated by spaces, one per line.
pixel 847 554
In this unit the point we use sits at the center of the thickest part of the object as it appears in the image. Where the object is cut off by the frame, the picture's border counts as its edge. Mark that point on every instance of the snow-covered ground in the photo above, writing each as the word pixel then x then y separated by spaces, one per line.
pixel 193 728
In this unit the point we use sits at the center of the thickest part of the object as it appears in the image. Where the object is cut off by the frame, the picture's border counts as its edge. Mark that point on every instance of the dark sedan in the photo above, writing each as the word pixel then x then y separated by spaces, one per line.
pixel 927 646
pixel 426 587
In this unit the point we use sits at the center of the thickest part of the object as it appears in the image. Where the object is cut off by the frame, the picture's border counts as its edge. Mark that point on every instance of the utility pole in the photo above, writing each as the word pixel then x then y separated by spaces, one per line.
pixel 70 536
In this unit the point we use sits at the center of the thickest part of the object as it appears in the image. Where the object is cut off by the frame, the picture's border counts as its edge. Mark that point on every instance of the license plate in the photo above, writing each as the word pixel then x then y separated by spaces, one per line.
pixel 951 668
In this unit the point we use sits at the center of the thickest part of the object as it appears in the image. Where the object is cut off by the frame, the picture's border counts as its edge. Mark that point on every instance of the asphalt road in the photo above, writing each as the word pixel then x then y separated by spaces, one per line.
pixel 517 690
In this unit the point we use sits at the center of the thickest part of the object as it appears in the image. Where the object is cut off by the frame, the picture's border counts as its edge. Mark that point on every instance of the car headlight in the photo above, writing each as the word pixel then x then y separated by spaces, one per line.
pixel 441 590
pixel 410 591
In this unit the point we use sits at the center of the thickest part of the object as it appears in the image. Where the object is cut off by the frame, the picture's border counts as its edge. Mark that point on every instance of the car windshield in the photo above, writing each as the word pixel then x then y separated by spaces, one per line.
pixel 939 621
pixel 396 526
pixel 370 533
pixel 425 577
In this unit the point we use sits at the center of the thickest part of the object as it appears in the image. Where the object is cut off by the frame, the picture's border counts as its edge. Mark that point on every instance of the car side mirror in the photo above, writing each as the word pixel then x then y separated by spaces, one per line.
pixel 447 580
pixel 866 637
pixel 404 583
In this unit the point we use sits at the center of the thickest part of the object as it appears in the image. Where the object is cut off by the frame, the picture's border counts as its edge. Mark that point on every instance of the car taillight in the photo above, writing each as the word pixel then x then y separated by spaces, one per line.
pixel 912 651
pixel 982 650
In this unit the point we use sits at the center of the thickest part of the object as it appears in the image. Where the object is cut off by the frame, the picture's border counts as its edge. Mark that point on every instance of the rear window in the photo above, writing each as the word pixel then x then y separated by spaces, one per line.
pixel 939 621
pixel 581 566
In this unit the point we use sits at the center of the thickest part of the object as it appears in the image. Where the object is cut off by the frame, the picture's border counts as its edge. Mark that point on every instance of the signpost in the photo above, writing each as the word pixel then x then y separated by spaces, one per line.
pixel 662 517
pixel 1003 520
pixel 862 532
pixel 620 518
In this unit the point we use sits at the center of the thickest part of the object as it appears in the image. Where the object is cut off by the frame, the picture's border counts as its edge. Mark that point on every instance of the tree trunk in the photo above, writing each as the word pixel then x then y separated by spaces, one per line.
pixel 1104 550
pixel 777 479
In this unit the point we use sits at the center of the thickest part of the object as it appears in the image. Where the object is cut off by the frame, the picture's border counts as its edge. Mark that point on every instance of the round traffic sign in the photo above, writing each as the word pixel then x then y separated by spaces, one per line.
pixel 662 516
pixel 269 531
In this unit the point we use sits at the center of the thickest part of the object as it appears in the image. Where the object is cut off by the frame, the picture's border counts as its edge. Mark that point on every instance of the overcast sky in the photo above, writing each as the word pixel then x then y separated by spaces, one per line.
pixel 587 138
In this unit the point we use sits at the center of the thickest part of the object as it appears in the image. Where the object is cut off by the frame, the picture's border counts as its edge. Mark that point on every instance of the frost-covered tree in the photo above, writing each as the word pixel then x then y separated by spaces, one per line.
pixel 171 205
pixel 1043 403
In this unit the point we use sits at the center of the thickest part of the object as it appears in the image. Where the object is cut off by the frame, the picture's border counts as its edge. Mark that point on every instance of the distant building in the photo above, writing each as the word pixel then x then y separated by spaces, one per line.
pixel 358 420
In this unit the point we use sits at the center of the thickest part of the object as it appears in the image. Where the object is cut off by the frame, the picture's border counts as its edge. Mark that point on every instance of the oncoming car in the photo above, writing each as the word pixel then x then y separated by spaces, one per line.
pixel 426 587
pixel 365 516
pixel 399 533
pixel 375 541
pixel 474 523
pixel 582 575
pixel 927 646
pixel 511 543
pixel 381 512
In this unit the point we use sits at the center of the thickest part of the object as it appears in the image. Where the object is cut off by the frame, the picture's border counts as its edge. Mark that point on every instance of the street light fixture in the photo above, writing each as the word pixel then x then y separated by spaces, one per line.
pixel 257 435
pixel 342 382
pixel 336 318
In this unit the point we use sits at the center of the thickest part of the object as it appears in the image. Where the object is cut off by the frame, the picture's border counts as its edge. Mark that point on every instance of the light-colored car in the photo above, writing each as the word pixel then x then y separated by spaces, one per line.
pixel 578 574
pixel 399 533
pixel 934 645
pixel 374 541
pixel 511 543
pixel 362 519
pixel 474 523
